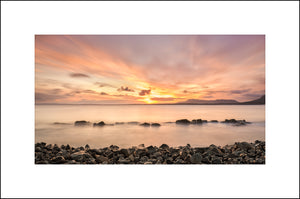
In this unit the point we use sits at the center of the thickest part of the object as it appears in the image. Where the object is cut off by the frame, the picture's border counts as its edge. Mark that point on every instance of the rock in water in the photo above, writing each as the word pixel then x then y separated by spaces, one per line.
pixel 145 124
pixel 214 121
pixel 155 124
pixel 81 123
pixel 198 121
pixel 183 121
pixel 99 124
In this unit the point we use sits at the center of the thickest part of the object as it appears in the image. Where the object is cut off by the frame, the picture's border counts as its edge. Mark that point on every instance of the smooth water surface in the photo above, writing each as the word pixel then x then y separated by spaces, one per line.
pixel 128 135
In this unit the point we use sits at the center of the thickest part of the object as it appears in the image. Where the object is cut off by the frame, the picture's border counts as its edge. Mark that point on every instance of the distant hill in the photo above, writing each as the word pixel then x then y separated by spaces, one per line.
pixel 212 102
pixel 257 101
pixel 221 102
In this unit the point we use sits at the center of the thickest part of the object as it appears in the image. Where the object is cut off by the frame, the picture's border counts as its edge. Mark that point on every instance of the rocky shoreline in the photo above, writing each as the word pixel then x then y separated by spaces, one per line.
pixel 238 153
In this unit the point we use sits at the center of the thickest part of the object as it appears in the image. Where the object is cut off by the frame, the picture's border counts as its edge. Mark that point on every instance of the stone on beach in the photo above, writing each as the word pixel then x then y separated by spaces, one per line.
pixel 238 153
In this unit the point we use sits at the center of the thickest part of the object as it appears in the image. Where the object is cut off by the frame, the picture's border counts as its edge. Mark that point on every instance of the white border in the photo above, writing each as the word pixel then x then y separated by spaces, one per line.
pixel 277 20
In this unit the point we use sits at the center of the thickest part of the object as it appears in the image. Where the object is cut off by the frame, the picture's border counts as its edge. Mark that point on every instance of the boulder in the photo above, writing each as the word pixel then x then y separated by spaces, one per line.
pixel 164 146
pixel 99 124
pixel 125 152
pixel 196 158
pixel 183 121
pixel 58 160
pixel 145 124
pixel 198 121
pixel 114 148
pixel 151 149
pixel 131 158
pixel 79 156
pixel 123 161
pixel 244 145
pixel 38 149
pixel 214 121
pixel 155 124
pixel 81 123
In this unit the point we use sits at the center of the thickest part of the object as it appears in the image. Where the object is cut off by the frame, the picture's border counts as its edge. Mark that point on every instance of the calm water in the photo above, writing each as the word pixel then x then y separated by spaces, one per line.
pixel 132 135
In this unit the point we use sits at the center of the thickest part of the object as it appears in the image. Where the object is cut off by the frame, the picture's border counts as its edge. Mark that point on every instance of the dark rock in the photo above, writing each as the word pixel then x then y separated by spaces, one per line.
pixel 99 124
pixel 216 160
pixel 144 159
pixel 198 121
pixel 201 149
pixel 123 161
pixel 164 146
pixel 38 149
pixel 145 124
pixel 214 121
pixel 68 147
pixel 230 121
pixel 141 146
pixel 101 158
pixel 196 158
pixel 244 145
pixel 87 146
pixel 119 123
pixel 204 121
pixel 169 160
pixel 155 124
pixel 131 158
pixel 81 123
pixel 125 152
pixel 133 123
pixel 151 149
pixel 114 148
pixel 214 149
pixel 60 123
pixel 58 160
pixel 206 160
pixel 183 121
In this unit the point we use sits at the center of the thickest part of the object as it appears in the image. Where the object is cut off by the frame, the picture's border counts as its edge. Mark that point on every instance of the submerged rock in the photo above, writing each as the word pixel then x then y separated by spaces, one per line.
pixel 99 124
pixel 183 121
pixel 133 123
pixel 198 121
pixel 81 123
pixel 214 121
pixel 155 124
pixel 145 124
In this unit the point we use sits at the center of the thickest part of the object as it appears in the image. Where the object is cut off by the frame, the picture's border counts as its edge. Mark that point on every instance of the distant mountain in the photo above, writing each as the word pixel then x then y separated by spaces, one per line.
pixel 221 102
pixel 257 101
pixel 218 101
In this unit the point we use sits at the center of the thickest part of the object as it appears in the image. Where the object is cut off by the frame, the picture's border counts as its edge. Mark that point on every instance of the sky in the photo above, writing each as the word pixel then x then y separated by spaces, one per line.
pixel 148 69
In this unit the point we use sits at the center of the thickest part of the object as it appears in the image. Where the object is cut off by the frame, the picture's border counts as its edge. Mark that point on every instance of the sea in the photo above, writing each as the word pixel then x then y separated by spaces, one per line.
pixel 54 124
